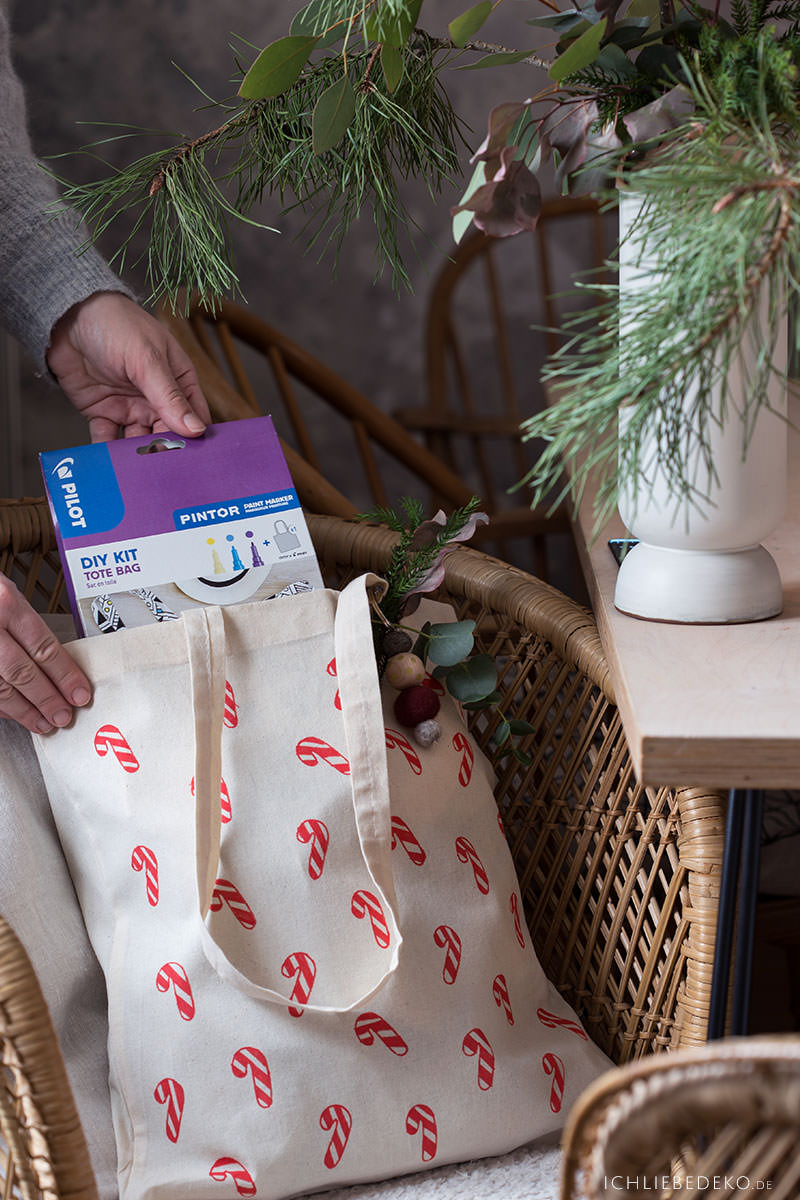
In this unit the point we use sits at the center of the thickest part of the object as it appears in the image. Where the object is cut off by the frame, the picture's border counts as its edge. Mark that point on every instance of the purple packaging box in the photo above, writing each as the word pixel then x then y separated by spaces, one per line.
pixel 144 535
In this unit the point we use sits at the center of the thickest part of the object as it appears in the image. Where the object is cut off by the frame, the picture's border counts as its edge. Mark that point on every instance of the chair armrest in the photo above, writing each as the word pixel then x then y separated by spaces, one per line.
pixel 43 1150
pixel 730 1109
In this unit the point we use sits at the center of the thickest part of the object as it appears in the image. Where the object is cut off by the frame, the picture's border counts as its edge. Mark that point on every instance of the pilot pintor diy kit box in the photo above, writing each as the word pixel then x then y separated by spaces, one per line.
pixel 148 527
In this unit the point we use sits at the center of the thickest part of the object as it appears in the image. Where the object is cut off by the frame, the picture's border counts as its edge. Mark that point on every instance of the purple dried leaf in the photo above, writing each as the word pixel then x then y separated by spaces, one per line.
pixel 510 203
pixel 435 573
pixel 660 116
pixel 501 121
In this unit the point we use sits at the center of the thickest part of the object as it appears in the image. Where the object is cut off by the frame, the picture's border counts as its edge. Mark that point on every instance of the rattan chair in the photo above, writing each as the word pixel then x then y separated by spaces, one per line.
pixel 620 883
pixel 483 356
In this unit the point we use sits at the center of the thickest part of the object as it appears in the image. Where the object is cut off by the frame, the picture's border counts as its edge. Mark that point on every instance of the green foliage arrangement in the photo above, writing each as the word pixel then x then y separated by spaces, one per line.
pixel 696 111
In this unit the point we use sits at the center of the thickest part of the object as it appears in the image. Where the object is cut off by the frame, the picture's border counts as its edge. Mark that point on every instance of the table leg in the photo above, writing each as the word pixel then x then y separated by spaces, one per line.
pixel 738 890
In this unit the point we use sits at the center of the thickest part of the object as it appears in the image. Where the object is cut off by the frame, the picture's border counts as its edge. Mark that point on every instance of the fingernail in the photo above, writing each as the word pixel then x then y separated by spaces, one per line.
pixel 43 726
pixel 62 717
pixel 194 423
pixel 81 696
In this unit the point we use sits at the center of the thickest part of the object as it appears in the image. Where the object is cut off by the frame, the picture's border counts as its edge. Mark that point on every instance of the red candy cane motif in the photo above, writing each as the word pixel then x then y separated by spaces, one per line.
pixel 371 1025
pixel 226 892
pixel 513 904
pixel 449 941
pixel 461 743
pixel 501 997
pixel 337 1120
pixel 365 904
pixel 331 669
pixel 172 975
pixel 108 737
pixel 399 741
pixel 303 967
pixel 230 716
pixel 420 1119
pixel 435 685
pixel 314 834
pixel 467 853
pixel 554 1066
pixel 476 1043
pixel 231 1168
pixel 249 1060
pixel 311 750
pixel 402 835
pixel 551 1021
pixel 225 809
pixel 143 859
pixel 169 1091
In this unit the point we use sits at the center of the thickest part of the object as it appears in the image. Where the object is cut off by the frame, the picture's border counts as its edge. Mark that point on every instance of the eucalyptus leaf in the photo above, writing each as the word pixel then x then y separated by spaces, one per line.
pixel 420 647
pixel 520 727
pixel 462 219
pixel 462 28
pixel 502 733
pixel 614 61
pixel 493 697
pixel 522 756
pixel 472 680
pixel 277 67
pixel 451 642
pixel 393 27
pixel 392 66
pixel 580 54
pixel 332 115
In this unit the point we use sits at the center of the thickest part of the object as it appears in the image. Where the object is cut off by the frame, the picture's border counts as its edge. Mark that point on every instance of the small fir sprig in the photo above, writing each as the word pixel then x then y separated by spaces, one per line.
pixel 417 566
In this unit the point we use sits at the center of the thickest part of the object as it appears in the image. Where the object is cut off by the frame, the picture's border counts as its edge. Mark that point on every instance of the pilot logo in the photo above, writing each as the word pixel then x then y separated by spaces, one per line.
pixel 62 468
pixel 69 491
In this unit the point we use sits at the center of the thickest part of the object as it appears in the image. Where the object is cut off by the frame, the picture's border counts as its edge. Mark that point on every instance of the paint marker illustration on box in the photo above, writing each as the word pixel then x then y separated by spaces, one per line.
pixel 143 536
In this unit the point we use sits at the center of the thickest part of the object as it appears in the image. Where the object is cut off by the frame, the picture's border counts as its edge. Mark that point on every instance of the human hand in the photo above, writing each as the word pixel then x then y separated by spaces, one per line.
pixel 39 682
pixel 121 368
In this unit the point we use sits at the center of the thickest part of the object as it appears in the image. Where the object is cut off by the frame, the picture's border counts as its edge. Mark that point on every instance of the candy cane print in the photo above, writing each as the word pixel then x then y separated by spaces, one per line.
pixel 395 739
pixel 402 835
pixel 303 967
pixel 331 669
pixel 143 859
pixel 434 684
pixel 231 1168
pixel 337 1120
pixel 420 1119
pixel 108 737
pixel 467 853
pixel 501 997
pixel 551 1021
pixel 513 904
pixel 230 716
pixel 169 1091
pixel 249 1060
pixel 449 941
pixel 315 835
pixel 554 1066
pixel 461 742
pixel 225 809
pixel 311 750
pixel 172 975
pixel 371 1025
pixel 476 1043
pixel 226 892
pixel 365 904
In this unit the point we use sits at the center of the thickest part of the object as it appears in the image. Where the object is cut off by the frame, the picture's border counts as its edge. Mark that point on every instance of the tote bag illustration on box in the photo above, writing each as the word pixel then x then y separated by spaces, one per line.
pixel 309 986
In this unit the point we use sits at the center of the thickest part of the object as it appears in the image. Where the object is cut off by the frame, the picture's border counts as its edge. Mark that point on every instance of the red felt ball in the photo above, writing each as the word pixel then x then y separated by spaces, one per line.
pixel 416 704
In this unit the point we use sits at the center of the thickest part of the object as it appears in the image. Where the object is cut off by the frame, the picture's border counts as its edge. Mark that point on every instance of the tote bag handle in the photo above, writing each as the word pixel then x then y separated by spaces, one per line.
pixel 363 722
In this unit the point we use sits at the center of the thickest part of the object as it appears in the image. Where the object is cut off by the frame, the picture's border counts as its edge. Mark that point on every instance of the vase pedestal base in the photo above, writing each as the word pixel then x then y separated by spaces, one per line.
pixel 699 587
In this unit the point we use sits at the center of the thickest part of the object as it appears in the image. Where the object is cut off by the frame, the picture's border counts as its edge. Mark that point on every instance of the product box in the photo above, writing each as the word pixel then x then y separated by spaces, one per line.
pixel 148 527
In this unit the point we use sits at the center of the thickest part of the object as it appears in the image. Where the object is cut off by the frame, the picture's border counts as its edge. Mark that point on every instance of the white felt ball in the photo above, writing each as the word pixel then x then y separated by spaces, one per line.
pixel 426 733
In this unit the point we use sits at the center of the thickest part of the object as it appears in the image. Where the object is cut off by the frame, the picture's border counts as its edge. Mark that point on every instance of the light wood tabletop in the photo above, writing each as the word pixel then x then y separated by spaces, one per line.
pixel 712 705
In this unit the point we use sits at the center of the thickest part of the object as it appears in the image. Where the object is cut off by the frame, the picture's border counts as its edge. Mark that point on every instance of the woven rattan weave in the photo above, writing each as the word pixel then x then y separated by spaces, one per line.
pixel 620 883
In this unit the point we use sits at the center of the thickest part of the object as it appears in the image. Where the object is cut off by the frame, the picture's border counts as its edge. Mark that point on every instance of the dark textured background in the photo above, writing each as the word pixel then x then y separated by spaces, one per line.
pixel 87 61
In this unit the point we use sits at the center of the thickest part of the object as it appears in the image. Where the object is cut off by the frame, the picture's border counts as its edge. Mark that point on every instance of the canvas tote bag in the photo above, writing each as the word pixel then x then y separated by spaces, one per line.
pixel 311 929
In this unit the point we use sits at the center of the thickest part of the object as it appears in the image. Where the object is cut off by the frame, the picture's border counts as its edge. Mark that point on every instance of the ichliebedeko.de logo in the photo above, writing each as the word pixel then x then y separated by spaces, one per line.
pixel 694 1184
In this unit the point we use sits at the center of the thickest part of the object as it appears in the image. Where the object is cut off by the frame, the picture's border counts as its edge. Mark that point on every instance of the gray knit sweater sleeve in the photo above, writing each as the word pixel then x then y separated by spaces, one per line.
pixel 41 272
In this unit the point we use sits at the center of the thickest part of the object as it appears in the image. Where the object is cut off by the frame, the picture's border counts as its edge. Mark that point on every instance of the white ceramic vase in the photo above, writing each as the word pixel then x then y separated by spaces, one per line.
pixel 701 561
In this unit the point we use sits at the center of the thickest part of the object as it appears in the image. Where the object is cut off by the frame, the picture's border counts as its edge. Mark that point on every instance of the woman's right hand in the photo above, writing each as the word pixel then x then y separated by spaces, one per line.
pixel 39 682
